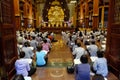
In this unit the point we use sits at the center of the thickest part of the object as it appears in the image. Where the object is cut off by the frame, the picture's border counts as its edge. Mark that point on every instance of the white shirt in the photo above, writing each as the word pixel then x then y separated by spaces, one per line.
pixel 79 51
pixel 27 78
pixel 93 50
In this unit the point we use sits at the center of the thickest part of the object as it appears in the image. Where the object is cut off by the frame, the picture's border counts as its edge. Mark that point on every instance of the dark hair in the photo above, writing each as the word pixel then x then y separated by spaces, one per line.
pixel 26 44
pixel 18 77
pixel 93 42
pixel 92 37
pixel 25 37
pixel 45 41
pixel 39 48
pixel 22 54
pixel 33 37
pixel 100 54
pixel 98 77
pixel 84 59
pixel 78 44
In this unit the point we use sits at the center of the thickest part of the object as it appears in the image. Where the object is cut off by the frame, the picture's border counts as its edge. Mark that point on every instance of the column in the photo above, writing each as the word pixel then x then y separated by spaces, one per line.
pixel 102 17
pixel 25 15
pixel 17 14
pixel 86 15
pixel 35 18
pixel 81 14
pixel 95 14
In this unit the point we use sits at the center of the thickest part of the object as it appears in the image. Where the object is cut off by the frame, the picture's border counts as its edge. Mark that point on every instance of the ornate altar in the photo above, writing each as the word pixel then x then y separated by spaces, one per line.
pixel 55 15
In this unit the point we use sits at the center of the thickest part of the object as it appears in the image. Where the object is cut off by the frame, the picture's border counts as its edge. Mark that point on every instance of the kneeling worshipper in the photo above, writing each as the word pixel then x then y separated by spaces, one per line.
pixel 23 65
pixel 82 71
pixel 41 57
pixel 100 65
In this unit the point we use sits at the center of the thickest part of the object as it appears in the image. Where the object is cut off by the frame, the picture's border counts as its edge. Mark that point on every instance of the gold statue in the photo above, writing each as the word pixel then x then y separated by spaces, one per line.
pixel 56 14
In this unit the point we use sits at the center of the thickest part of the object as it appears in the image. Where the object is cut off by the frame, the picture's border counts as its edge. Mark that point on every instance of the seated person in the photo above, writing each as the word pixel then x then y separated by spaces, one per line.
pixel 28 51
pixel 93 48
pixel 100 65
pixel 46 46
pixel 82 71
pixel 23 67
pixel 21 77
pixel 41 56
pixel 79 51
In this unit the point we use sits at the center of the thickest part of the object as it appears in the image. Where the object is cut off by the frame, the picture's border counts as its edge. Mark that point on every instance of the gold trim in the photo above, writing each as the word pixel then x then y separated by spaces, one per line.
pixel 25 17
pixel 95 14
pixel 55 2
pixel 17 14
pixel 86 16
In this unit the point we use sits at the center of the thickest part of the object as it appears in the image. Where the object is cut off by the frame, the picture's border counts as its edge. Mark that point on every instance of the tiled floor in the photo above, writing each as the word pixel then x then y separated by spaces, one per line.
pixel 59 58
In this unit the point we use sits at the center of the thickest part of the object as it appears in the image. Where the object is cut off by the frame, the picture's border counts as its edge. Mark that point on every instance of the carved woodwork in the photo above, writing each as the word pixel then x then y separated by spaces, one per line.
pixel 95 14
pixel 113 37
pixel 8 50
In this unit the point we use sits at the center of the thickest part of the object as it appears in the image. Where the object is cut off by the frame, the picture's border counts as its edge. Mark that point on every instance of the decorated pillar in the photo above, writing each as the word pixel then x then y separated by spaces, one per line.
pixel 86 15
pixel 95 14
pixel 34 17
pixel 25 15
pixel 81 14
pixel 102 17
pixel 17 14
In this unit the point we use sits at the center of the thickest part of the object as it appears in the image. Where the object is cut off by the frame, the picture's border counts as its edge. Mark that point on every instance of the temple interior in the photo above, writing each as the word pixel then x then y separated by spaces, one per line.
pixel 60 20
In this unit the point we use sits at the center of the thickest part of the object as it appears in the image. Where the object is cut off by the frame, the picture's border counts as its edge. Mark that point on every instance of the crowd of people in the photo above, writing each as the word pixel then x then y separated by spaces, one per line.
pixel 34 48
pixel 84 45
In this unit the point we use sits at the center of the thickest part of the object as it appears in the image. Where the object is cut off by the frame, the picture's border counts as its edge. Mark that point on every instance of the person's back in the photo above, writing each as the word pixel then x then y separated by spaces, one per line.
pixel 82 71
pixel 46 46
pixel 79 51
pixel 28 52
pixel 100 65
pixel 21 65
pixel 93 49
pixel 34 43
pixel 40 56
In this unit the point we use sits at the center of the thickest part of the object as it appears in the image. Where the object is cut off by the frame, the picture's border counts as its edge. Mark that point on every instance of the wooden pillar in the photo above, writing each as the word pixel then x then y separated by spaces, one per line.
pixel 17 14
pixel 25 15
pixel 102 17
pixel 35 20
pixel 30 15
pixel 86 15
pixel 113 37
pixel 81 14
pixel 8 47
pixel 95 14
